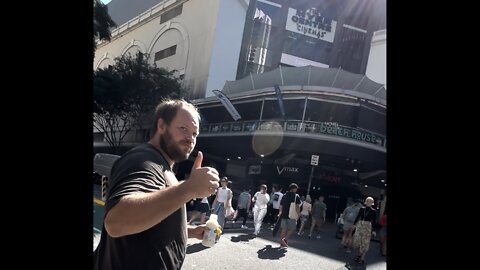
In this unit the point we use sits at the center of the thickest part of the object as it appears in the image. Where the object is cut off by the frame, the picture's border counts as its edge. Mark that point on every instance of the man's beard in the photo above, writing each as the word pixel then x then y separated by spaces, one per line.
pixel 173 151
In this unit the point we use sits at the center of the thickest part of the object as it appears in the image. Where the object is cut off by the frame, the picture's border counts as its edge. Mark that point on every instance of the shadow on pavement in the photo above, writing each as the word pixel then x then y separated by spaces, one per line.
pixel 270 253
pixel 195 248
pixel 352 265
pixel 328 246
pixel 242 237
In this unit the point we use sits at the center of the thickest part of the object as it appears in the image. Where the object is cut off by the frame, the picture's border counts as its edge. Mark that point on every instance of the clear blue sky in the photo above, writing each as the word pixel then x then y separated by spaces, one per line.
pixel 106 1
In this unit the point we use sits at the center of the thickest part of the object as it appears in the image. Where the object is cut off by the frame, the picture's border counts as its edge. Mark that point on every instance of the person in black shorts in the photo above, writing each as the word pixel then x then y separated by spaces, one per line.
pixel 200 208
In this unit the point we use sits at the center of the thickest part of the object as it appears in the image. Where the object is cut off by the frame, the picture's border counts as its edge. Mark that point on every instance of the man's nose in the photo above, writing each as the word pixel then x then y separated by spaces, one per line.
pixel 190 138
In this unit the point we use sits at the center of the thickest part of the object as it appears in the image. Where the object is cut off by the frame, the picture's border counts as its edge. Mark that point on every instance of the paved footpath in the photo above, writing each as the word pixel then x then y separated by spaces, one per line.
pixel 240 249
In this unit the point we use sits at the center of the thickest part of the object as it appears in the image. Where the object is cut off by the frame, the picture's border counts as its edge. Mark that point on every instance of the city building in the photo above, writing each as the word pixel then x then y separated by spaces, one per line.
pixel 327 58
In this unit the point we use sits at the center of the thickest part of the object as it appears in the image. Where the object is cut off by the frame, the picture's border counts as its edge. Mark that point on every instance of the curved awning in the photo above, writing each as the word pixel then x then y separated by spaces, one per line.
pixel 330 79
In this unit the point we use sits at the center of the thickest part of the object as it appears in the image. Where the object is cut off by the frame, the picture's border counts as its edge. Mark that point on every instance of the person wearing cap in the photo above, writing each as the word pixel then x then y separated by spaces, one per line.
pixel 364 224
pixel 288 225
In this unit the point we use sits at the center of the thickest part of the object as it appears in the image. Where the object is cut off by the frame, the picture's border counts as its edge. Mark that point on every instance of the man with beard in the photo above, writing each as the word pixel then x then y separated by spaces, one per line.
pixel 145 224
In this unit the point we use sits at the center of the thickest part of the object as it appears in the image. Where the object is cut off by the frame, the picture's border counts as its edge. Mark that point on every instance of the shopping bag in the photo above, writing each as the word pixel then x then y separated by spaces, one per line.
pixel 229 212
pixel 293 212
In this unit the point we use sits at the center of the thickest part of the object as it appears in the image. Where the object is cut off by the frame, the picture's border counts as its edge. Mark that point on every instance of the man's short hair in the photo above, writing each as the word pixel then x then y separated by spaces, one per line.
pixel 292 186
pixel 167 110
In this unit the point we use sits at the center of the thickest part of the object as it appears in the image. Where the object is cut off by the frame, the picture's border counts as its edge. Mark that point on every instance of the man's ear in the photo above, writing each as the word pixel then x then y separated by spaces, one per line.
pixel 161 125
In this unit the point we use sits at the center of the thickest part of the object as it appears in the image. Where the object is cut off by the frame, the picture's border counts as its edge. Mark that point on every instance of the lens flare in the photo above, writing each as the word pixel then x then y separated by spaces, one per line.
pixel 268 138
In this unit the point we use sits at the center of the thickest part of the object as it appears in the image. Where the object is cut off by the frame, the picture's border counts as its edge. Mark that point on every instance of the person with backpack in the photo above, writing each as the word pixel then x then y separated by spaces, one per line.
pixel 349 215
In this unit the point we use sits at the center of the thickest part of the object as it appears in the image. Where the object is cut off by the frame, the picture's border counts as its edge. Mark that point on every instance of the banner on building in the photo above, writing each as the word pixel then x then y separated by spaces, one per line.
pixel 312 23
pixel 227 104
pixel 280 100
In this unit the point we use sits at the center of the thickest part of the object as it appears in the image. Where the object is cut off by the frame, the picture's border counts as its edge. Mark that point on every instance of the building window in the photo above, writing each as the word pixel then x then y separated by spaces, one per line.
pixel 340 114
pixel 351 50
pixel 142 135
pixel 217 114
pixel 308 48
pixel 271 111
pixel 171 14
pixel 165 53
pixel 249 110
pixel 98 136
pixel 372 120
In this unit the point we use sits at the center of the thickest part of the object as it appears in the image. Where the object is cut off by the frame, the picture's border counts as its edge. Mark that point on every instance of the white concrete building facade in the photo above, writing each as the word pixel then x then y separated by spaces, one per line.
pixel 377 59
pixel 200 39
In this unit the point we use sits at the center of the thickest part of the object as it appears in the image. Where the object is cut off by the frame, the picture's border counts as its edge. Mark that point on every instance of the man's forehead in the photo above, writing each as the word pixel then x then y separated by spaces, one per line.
pixel 185 115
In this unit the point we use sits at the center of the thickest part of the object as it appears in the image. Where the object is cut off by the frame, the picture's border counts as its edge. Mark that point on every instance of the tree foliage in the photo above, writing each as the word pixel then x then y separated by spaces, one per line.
pixel 102 22
pixel 123 94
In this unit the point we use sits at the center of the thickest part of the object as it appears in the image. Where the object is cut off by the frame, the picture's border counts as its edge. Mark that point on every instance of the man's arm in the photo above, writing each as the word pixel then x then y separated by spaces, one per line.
pixel 196 231
pixel 228 203
pixel 138 212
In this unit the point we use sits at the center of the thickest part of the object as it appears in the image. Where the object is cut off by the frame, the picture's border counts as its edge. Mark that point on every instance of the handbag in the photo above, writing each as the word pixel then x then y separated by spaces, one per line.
pixel 229 212
pixel 293 212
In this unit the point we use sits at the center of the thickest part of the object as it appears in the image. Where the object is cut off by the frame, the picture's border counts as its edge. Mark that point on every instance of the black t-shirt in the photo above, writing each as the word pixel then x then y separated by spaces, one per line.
pixel 367 214
pixel 287 199
pixel 163 246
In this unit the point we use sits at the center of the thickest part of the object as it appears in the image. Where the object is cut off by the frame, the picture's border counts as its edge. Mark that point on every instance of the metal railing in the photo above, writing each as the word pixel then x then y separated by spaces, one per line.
pixel 325 128
pixel 140 18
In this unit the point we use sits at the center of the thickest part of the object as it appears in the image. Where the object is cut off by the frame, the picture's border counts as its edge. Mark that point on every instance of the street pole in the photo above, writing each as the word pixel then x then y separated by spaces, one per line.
pixel 313 162
pixel 310 180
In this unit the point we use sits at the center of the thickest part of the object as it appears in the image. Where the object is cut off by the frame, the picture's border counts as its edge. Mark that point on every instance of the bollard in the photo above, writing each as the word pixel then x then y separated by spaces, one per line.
pixel 104 188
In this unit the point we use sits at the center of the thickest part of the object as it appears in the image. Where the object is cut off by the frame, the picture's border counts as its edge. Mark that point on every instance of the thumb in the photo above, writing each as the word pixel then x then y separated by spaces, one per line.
pixel 198 161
